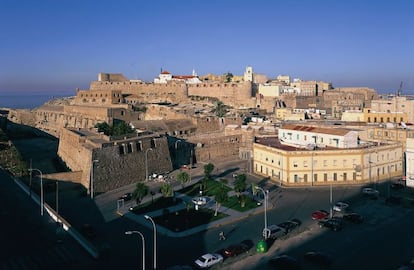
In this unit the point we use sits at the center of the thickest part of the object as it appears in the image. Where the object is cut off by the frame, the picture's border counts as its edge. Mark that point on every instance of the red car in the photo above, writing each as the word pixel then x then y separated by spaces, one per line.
pixel 320 214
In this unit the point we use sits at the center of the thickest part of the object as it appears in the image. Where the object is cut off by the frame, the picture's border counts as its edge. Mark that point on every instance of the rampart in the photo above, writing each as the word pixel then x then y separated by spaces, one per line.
pixel 118 163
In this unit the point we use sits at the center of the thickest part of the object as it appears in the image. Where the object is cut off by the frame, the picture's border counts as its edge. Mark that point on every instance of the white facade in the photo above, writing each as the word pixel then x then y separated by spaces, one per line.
pixel 409 168
pixel 164 77
pixel 310 137
pixel 248 74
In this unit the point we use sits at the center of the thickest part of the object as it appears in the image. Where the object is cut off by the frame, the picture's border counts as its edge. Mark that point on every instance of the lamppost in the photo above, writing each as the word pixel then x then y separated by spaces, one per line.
pixel 155 239
pixel 265 194
pixel 176 142
pixel 330 201
pixel 146 163
pixel 57 197
pixel 92 175
pixel 41 188
pixel 143 245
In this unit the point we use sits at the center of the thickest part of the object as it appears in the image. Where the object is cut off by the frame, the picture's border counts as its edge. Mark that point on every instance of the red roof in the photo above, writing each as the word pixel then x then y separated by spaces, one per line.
pixel 183 76
pixel 165 72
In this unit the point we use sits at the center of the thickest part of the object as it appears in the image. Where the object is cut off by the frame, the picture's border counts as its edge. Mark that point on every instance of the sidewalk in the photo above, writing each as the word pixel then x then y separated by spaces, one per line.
pixel 233 216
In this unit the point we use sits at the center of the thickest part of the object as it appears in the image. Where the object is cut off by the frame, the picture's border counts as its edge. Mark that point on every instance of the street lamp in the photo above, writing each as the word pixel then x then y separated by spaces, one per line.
pixel 143 245
pixel 41 188
pixel 57 197
pixel 92 175
pixel 176 142
pixel 146 163
pixel 155 239
pixel 265 194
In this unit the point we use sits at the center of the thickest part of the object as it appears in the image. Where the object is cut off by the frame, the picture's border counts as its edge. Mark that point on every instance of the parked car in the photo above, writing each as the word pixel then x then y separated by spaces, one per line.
pixel 200 200
pixel 320 214
pixel 370 192
pixel 273 232
pixel 353 217
pixel 318 258
pixel 235 249
pixel 289 225
pixel 334 224
pixel 285 262
pixel 209 259
pixel 340 207
pixel 126 197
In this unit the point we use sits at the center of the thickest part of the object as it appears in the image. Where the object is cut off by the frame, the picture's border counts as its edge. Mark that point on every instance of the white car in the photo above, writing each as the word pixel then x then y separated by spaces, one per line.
pixel 370 192
pixel 208 260
pixel 200 200
pixel 340 206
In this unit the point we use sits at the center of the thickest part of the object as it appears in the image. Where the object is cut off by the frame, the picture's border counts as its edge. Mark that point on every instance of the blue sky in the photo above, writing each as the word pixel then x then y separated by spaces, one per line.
pixel 59 45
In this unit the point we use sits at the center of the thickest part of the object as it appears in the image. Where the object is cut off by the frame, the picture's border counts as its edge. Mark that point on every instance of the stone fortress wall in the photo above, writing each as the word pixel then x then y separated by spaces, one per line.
pixel 119 163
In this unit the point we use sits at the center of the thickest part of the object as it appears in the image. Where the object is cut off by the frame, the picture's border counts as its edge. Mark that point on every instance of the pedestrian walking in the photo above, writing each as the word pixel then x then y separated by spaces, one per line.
pixel 221 236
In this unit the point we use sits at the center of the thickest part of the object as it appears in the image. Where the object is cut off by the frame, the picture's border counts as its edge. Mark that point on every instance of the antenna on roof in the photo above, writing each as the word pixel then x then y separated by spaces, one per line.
pixel 399 92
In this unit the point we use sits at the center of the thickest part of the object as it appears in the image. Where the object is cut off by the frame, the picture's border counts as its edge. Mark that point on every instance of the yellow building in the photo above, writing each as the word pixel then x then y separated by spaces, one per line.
pixel 371 116
pixel 291 166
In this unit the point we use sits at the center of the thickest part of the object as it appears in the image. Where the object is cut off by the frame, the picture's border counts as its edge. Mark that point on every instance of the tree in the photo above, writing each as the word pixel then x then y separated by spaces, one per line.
pixel 208 169
pixel 228 77
pixel 220 197
pixel 167 190
pixel 221 109
pixel 105 128
pixel 141 190
pixel 183 178
pixel 240 184
pixel 121 128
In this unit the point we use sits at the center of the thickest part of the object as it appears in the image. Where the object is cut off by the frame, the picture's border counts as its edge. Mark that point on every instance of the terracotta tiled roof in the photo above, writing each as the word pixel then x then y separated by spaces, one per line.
pixel 165 72
pixel 332 131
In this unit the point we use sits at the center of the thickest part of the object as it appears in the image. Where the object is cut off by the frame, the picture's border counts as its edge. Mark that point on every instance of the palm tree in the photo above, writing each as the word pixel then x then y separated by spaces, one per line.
pixel 167 190
pixel 141 190
pixel 240 184
pixel 208 169
pixel 183 178
pixel 220 197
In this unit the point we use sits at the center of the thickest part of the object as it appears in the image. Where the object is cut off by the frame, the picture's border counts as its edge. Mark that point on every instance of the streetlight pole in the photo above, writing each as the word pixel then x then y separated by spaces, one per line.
pixel 146 163
pixel 176 142
pixel 330 201
pixel 143 245
pixel 155 239
pixel 265 193
pixel 92 175
pixel 57 197
pixel 41 188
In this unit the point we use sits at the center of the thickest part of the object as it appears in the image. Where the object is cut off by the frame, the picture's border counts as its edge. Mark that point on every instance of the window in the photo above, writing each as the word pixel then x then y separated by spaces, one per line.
pixel 305 163
pixel 325 163
pixel 295 164
pixel 334 162
pixel 335 177
pixel 325 177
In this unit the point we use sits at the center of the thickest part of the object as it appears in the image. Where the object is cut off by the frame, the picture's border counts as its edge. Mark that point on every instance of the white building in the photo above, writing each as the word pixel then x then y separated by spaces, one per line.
pixel 165 77
pixel 311 137
pixel 409 157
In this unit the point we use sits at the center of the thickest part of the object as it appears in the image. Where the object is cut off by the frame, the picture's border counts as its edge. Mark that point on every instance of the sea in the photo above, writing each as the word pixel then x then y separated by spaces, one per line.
pixel 27 100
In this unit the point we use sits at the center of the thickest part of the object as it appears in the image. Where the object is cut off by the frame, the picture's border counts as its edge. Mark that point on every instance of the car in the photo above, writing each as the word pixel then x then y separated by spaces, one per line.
pixel 235 249
pixel 370 192
pixel 320 214
pixel 318 258
pixel 285 262
pixel 354 218
pixel 209 259
pixel 334 224
pixel 200 200
pixel 340 207
pixel 289 225
pixel 126 197
pixel 273 232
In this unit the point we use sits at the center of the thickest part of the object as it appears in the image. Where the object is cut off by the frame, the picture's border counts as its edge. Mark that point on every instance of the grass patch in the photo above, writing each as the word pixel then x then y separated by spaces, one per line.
pixel 157 204
pixel 233 202
pixel 211 186
pixel 186 219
